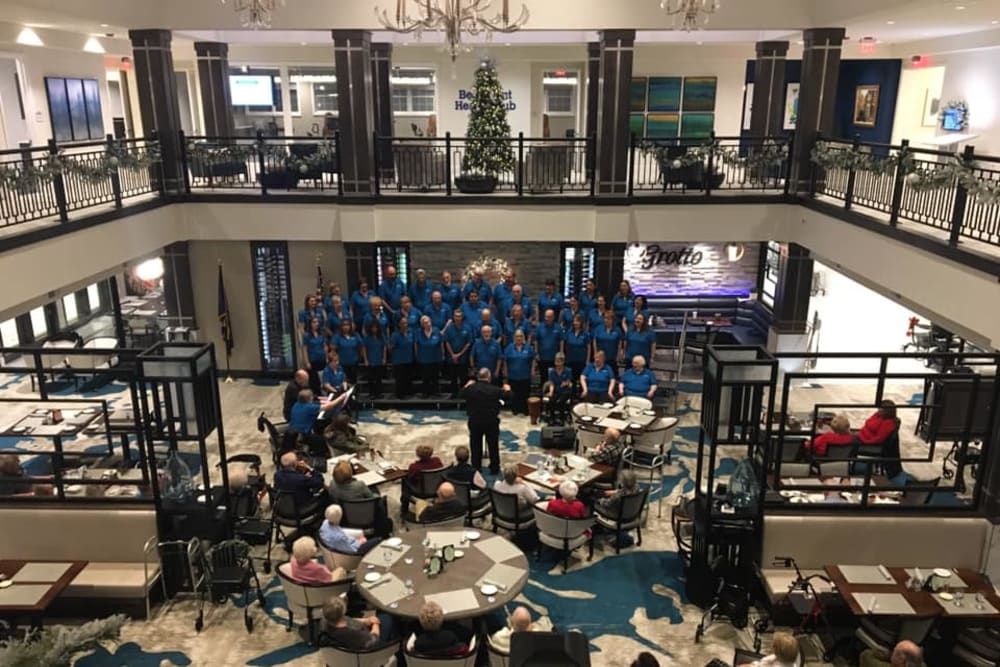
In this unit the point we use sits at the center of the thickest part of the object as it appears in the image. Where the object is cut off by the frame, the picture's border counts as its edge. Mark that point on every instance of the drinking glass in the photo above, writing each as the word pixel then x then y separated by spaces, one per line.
pixel 386 556
pixel 409 586
pixel 959 594
pixel 980 601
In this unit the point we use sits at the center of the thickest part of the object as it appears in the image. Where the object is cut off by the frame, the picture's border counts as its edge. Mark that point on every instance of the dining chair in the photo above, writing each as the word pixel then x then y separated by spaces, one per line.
pixel 467 660
pixel 635 403
pixel 424 487
pixel 334 559
pixel 626 516
pixel 334 656
pixel 509 513
pixel 497 659
pixel 478 505
pixel 305 599
pixel 363 514
pixel 453 522
pixel 563 535
pixel 587 437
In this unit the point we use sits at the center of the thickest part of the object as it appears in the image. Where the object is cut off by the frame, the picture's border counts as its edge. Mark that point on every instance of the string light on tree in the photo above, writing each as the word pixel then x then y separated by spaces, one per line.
pixel 488 150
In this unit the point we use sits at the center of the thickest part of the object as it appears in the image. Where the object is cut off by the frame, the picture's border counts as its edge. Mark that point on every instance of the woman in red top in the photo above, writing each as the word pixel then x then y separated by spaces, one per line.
pixel 566 505
pixel 425 461
pixel 839 435
pixel 880 425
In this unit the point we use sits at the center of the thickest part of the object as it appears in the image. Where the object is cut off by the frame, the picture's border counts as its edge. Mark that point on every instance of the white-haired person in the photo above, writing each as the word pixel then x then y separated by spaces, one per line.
pixel 511 483
pixel 435 638
pixel 306 569
pixel 344 540
pixel 638 380
pixel 520 621
pixel 566 504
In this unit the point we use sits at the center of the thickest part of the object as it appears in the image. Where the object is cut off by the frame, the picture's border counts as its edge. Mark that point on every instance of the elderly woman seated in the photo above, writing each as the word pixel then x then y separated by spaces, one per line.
pixel 306 569
pixel 435 638
pixel 344 540
pixel 354 634
pixel 839 435
pixel 628 485
pixel 345 488
pixel 566 505
pixel 511 483
pixel 425 461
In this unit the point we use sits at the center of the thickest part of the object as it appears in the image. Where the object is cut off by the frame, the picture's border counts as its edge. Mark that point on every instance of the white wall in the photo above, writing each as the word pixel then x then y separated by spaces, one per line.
pixel 974 76
pixel 915 85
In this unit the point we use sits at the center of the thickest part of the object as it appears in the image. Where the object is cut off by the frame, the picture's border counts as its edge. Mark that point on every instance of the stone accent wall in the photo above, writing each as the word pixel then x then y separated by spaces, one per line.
pixel 532 262
pixel 691 269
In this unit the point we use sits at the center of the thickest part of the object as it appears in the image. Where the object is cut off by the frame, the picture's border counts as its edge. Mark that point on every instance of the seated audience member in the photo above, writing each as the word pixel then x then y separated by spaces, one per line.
pixel 566 505
pixel 880 425
pixel 445 506
pixel 345 487
pixel 13 481
pixel 306 420
pixel 628 485
pixel 839 435
pixel 463 471
pixel 306 569
pixel 645 659
pixel 296 477
pixel 560 388
pixel 425 461
pixel 905 654
pixel 342 437
pixel 344 540
pixel 597 382
pixel 785 653
pixel 638 380
pixel 299 382
pixel 511 483
pixel 434 638
pixel 520 621
pixel 354 634
pixel 609 450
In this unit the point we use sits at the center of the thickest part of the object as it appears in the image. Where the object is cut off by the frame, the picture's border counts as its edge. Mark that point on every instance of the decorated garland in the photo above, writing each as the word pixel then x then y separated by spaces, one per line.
pixel 760 158
pixel 489 266
pixel 325 152
pixel 92 169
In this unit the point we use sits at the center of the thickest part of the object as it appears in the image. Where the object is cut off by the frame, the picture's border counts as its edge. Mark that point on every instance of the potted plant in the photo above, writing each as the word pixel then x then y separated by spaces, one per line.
pixel 58 646
pixel 488 151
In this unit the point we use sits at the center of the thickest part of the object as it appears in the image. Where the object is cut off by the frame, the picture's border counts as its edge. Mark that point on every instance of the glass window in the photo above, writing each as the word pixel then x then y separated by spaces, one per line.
pixel 414 90
pixel 94 296
pixel 770 284
pixel 69 308
pixel 560 88
pixel 8 334
pixel 324 97
pixel 400 99
pixel 38 326
pixel 322 82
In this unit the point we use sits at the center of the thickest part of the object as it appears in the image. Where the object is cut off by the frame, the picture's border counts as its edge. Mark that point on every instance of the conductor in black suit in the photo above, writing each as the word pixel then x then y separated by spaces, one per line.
pixel 482 404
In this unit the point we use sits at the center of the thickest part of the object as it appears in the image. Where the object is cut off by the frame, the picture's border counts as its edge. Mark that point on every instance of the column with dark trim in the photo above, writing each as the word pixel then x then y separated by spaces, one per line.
pixel 613 140
pixel 767 116
pixel 794 288
pixel 213 82
pixel 156 87
pixel 821 53
pixel 353 61
pixel 593 96
pixel 178 291
pixel 382 100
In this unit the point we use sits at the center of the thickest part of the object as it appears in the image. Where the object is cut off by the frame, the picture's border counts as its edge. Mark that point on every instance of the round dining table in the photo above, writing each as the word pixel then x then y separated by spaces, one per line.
pixel 458 588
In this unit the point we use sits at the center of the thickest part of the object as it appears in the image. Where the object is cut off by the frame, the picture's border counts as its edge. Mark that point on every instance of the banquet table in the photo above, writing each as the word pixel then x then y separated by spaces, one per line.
pixel 628 420
pixel 567 466
pixel 36 585
pixel 488 559
pixel 372 472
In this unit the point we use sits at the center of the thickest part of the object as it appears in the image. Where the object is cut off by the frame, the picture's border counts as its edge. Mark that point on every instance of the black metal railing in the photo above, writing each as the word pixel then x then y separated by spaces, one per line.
pixel 52 181
pixel 927 187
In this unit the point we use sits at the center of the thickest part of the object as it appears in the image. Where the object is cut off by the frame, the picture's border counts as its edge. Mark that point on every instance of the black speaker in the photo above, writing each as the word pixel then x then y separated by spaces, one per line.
pixel 549 649
pixel 558 437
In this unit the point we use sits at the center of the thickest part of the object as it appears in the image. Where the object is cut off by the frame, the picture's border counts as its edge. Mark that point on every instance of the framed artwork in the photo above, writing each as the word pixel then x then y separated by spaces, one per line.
pixel 74 108
pixel 699 93
pixel 866 105
pixel 932 109
pixel 637 124
pixel 747 105
pixel 664 93
pixel 638 94
pixel 55 91
pixel 662 125
pixel 697 125
pixel 791 106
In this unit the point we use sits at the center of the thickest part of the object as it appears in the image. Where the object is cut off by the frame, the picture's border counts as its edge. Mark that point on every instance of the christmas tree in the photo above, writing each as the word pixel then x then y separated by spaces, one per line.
pixel 488 152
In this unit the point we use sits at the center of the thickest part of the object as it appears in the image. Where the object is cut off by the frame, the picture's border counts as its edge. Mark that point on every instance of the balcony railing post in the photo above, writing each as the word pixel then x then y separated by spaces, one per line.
pixel 261 163
pixel 788 164
pixel 591 167
pixel 116 179
pixel 376 168
pixel 520 164
pixel 898 182
pixel 184 162
pixel 961 200
pixel 851 175
pixel 631 164
pixel 813 170
pixel 58 185
pixel 340 168
pixel 710 169
pixel 447 163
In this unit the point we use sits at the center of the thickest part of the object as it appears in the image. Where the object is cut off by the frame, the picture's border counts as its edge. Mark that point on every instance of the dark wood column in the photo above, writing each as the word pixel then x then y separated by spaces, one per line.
pixel 615 80
pixel 791 300
pixel 593 95
pixel 213 82
pixel 156 87
pixel 821 52
pixel 353 62
pixel 178 292
pixel 382 100
pixel 767 117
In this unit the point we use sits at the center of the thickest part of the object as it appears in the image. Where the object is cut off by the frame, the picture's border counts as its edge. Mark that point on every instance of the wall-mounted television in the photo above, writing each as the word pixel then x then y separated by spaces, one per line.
pixel 251 90
pixel 951 120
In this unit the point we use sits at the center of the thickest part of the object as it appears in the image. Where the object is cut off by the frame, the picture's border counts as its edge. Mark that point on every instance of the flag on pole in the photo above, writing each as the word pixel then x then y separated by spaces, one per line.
pixel 225 322
pixel 319 278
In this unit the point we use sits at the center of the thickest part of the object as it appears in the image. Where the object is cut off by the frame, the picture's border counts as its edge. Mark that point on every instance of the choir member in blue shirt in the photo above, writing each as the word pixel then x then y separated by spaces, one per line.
pixel 376 313
pixel 348 346
pixel 571 310
pixel 374 357
pixel 502 294
pixel 595 317
pixel 576 343
pixel 420 291
pixel 439 311
pixel 486 319
pixel 640 340
pixel 334 378
pixel 359 301
pixel 410 312
pixel 401 342
pixel 549 342
pixel 333 292
pixel 638 380
pixel 308 419
pixel 517 322
pixel 560 389
pixel 550 299
pixel 430 354
pixel 622 300
pixel 391 290
pixel 597 382
pixel 335 314
pixel 487 353
pixel 518 298
pixel 638 307
pixel 314 347
pixel 480 287
pixel 473 311
pixel 458 340
pixel 608 339
pixel 588 297
pixel 519 360
pixel 311 308
pixel 451 293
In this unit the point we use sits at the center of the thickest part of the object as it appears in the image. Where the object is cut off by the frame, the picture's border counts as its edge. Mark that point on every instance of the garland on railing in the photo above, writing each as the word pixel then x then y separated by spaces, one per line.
pixel 326 152
pixel 92 169
pixel 769 154
pixel 921 179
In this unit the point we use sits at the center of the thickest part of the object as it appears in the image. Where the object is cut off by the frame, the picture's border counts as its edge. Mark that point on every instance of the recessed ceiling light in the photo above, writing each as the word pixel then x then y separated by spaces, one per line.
pixel 959 8
pixel 506 43
pixel 800 42
pixel 303 43
pixel 29 37
pixel 700 43
pixel 994 22
pixel 890 23
pixel 105 25
pixel 93 45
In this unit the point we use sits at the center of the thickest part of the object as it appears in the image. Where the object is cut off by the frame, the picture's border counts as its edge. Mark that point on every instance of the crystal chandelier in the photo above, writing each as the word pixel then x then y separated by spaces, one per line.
pixel 689 10
pixel 452 17
pixel 256 14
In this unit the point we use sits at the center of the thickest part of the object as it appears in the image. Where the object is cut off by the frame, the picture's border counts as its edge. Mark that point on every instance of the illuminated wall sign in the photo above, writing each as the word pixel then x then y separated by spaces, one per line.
pixel 692 269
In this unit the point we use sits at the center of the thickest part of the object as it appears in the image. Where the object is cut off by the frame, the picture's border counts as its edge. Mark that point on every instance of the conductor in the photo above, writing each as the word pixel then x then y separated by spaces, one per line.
pixel 482 404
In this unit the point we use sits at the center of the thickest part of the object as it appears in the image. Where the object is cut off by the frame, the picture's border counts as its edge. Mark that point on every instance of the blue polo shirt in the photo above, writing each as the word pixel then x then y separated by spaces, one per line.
pixel 473 315
pixel 494 327
pixel 421 294
pixel 450 294
pixel 519 361
pixel 345 306
pixel 607 341
pixel 302 417
pixel 524 325
pixel 391 292
pixel 349 349
pixel 458 337
pixel 440 315
pixel 485 292
pixel 486 355
pixel 383 320
pixel 333 321
pixel 525 303
pixel 566 317
pixel 315 346
pixel 641 343
pixel 576 346
pixel 557 379
pixel 546 302
pixel 375 350
pixel 588 303
pixel 637 384
pixel 412 317
pixel 305 315
pixel 402 347
pixel 620 304
pixel 595 318
pixel 598 379
pixel 547 338
pixel 429 347
pixel 630 316
pixel 359 304
pixel 334 376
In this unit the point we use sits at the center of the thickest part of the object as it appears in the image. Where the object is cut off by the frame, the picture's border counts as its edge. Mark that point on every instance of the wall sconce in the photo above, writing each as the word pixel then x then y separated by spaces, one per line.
pixel 735 251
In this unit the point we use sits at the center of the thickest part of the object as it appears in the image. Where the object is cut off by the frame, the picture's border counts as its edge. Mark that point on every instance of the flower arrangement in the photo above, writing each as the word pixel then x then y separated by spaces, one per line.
pixel 58 646
pixel 959 110
pixel 492 268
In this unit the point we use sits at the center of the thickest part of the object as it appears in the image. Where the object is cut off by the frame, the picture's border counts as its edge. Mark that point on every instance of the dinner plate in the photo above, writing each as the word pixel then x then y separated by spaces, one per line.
pixel 788 494
pixel 649 413
pixel 607 405
pixel 372 576
pixel 459 553
pixel 946 596
pixel 472 534
pixel 489 589
pixel 6 583
pixel 944 573
pixel 19 429
pixel 393 542
pixel 635 425
pixel 74 488
pixel 586 418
